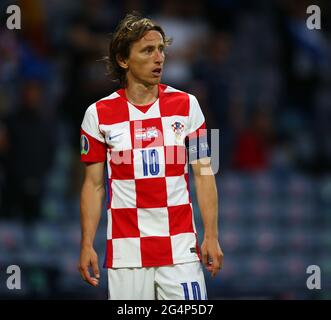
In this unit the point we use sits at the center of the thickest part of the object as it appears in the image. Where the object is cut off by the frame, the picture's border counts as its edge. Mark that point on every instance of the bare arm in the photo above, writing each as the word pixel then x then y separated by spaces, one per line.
pixel 92 195
pixel 206 191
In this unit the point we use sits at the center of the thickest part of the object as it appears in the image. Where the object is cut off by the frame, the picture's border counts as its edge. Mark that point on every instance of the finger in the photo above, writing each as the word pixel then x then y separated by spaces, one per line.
pixel 96 272
pixel 95 269
pixel 87 277
pixel 95 281
pixel 204 258
pixel 221 258
pixel 215 265
pixel 208 265
pixel 81 271
pixel 214 271
pixel 209 268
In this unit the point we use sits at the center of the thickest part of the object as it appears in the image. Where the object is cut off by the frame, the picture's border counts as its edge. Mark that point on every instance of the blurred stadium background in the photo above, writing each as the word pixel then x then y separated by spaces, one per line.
pixel 261 77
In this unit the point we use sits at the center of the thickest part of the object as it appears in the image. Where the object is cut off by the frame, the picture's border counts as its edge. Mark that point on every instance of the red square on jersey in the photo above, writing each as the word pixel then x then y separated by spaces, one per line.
pixel 109 192
pixel 109 254
pixel 151 193
pixel 156 251
pixel 180 219
pixel 146 133
pixel 187 179
pixel 175 160
pixel 121 164
pixel 174 103
pixel 92 150
pixel 112 111
pixel 124 223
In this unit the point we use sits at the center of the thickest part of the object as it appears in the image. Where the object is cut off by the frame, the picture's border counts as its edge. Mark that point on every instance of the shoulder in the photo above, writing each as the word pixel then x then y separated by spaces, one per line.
pixel 110 109
pixel 104 105
pixel 170 91
pixel 105 102
pixel 175 95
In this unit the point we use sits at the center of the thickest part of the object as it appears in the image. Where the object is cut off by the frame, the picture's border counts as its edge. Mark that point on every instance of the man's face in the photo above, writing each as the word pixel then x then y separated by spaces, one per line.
pixel 146 59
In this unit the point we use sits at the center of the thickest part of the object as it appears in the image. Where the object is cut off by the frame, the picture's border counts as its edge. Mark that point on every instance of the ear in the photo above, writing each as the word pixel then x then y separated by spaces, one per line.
pixel 122 62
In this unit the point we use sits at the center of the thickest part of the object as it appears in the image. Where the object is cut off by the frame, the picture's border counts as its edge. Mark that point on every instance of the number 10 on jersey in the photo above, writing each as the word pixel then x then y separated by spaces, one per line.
pixel 150 159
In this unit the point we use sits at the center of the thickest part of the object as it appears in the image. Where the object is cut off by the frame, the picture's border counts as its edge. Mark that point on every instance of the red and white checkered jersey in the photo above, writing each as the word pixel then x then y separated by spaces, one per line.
pixel 150 215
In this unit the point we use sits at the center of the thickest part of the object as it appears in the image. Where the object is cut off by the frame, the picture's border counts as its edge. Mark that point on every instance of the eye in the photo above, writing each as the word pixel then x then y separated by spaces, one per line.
pixel 149 50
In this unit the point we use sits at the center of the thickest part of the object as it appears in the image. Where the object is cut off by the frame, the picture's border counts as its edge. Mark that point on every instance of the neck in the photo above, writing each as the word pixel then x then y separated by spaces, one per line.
pixel 140 94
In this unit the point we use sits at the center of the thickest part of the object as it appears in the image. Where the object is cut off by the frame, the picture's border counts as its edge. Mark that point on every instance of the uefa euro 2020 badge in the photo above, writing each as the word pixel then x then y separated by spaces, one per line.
pixel 178 129
pixel 84 145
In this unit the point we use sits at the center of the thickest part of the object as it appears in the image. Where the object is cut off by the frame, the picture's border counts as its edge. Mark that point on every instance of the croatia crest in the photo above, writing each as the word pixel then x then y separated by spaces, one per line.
pixel 178 129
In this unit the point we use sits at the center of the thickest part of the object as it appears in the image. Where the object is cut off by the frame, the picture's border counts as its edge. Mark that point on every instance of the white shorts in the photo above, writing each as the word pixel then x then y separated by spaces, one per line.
pixel 183 281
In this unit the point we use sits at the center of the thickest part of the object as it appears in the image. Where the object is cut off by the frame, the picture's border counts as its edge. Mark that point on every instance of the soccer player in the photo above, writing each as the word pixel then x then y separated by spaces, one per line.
pixel 141 138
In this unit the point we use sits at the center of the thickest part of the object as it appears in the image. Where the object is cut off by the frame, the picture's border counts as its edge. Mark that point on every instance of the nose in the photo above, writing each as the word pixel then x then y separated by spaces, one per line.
pixel 159 58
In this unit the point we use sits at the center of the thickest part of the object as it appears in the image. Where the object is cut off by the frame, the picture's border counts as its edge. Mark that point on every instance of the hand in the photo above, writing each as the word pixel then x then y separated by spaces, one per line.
pixel 212 255
pixel 88 257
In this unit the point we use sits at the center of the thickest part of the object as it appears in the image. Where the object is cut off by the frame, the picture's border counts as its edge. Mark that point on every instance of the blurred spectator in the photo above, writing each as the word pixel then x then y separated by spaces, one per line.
pixel 84 75
pixel 306 68
pixel 31 145
pixel 213 69
pixel 35 27
pixel 3 152
pixel 182 21
pixel 253 144
pixel 306 57
pixel 9 70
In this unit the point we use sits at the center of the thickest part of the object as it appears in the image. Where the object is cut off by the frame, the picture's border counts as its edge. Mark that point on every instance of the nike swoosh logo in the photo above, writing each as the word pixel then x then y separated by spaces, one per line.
pixel 112 137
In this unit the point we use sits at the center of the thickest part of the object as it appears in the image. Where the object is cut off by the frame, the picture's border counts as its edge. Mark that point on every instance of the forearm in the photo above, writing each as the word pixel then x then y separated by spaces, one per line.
pixel 206 192
pixel 90 211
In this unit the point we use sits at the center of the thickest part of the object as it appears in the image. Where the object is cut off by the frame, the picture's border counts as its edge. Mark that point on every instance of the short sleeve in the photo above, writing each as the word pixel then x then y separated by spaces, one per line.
pixel 92 144
pixel 196 117
pixel 196 142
